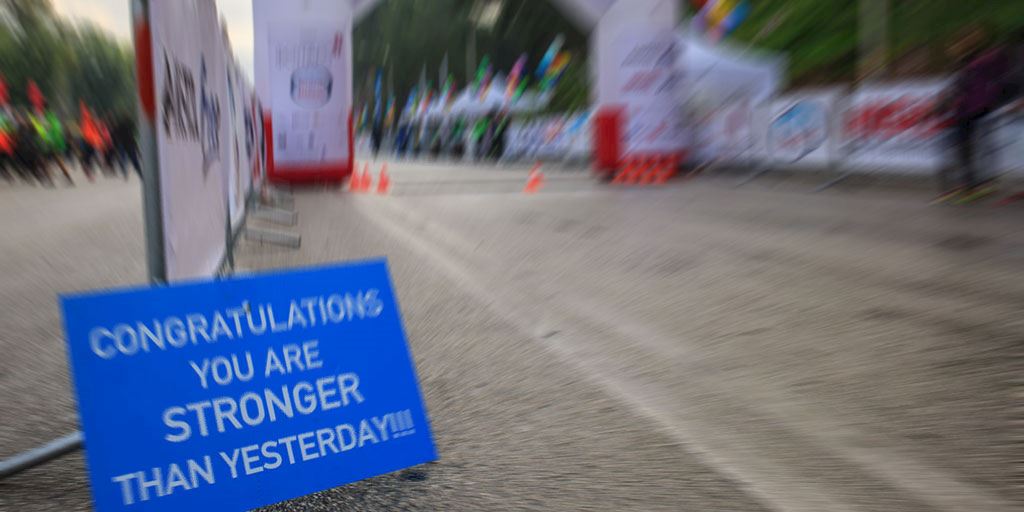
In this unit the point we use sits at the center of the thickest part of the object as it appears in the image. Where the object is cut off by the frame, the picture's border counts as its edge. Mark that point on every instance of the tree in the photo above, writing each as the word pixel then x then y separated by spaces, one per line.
pixel 68 63
pixel 819 37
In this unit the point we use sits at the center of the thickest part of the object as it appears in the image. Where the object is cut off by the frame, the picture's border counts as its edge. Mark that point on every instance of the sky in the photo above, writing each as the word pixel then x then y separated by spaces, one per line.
pixel 115 16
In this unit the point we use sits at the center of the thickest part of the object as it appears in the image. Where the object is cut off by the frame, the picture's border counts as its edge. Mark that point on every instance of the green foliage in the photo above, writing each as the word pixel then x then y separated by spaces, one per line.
pixel 68 63
pixel 407 38
pixel 820 37
pixel 572 92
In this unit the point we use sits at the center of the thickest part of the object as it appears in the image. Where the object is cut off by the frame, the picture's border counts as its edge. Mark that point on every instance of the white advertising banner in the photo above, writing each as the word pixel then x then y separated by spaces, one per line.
pixel 648 83
pixel 190 109
pixel 1007 143
pixel 238 174
pixel 733 132
pixel 893 127
pixel 303 68
pixel 801 126
pixel 309 84
pixel 567 137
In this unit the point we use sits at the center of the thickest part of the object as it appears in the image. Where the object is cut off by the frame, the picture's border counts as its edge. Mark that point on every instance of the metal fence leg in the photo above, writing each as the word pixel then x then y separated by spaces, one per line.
pixel 276 215
pixel 273 237
pixel 40 455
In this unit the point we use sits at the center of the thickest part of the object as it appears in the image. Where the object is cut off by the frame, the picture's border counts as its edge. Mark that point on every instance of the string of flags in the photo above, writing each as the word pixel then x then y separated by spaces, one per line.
pixel 550 69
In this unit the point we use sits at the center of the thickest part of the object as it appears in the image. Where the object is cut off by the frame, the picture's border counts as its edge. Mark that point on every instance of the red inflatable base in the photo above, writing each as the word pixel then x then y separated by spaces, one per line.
pixel 308 173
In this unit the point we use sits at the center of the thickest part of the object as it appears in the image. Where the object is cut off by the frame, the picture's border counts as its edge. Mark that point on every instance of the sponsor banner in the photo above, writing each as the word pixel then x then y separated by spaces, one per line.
pixel 894 126
pixel 550 137
pixel 800 128
pixel 235 394
pixel 648 83
pixel 308 82
pixel 303 71
pixel 733 132
pixel 1007 142
pixel 239 176
pixel 190 104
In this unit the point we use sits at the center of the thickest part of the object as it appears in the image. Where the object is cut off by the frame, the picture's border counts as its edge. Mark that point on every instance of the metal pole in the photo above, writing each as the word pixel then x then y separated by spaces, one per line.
pixel 152 210
pixel 37 456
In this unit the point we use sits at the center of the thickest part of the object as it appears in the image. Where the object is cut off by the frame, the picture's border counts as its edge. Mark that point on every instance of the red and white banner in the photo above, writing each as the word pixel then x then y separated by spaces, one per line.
pixel 893 126
pixel 649 78
pixel 303 74
pixel 734 132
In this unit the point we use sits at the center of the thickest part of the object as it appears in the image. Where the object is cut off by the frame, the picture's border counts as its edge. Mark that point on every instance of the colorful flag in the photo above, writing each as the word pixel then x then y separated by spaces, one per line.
pixel 485 85
pixel 549 56
pixel 447 90
pixel 555 71
pixel 514 75
pixel 734 18
pixel 389 116
pixel 481 70
pixel 521 89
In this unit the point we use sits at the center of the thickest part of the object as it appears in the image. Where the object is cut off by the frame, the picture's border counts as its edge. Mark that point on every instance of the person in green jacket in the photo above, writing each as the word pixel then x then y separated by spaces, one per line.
pixel 51 137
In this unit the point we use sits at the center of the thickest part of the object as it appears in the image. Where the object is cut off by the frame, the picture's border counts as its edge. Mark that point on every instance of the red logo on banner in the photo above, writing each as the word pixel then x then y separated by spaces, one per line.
pixel 336 51
pixel 905 115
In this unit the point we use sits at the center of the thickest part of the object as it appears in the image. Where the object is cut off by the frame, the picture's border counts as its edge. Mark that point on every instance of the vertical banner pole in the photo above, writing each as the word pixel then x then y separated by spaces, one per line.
pixel 156 263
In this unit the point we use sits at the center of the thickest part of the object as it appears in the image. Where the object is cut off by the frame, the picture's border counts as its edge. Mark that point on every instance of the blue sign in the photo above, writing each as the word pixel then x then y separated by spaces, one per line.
pixel 240 393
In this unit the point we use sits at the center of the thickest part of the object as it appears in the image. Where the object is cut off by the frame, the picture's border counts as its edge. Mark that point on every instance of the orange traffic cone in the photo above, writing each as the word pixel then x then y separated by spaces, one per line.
pixel 366 182
pixel 620 177
pixel 668 171
pixel 354 181
pixel 651 172
pixel 384 182
pixel 535 181
pixel 634 177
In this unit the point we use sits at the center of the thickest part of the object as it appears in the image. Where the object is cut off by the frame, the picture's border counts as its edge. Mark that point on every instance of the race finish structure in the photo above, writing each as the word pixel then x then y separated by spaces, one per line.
pixel 303 69
pixel 240 393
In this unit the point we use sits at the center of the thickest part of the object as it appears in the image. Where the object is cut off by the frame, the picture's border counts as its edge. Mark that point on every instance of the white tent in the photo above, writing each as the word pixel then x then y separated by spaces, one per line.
pixel 530 102
pixel 435 110
pixel 469 103
pixel 726 73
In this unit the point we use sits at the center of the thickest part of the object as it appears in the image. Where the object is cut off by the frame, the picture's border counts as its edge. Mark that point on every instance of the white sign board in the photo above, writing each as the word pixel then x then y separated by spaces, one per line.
pixel 303 72
pixel 734 132
pixel 309 87
pixel 800 128
pixel 893 127
pixel 648 82
pixel 190 110
pixel 239 173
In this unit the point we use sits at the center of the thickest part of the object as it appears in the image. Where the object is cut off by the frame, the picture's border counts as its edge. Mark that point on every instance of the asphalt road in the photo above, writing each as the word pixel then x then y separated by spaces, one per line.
pixel 692 347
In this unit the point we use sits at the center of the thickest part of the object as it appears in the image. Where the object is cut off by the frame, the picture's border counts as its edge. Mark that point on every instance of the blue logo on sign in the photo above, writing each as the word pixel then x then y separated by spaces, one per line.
pixel 240 393
pixel 799 130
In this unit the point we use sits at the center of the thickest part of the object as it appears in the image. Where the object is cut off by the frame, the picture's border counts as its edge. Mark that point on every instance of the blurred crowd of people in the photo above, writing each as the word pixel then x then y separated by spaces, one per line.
pixel 34 144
